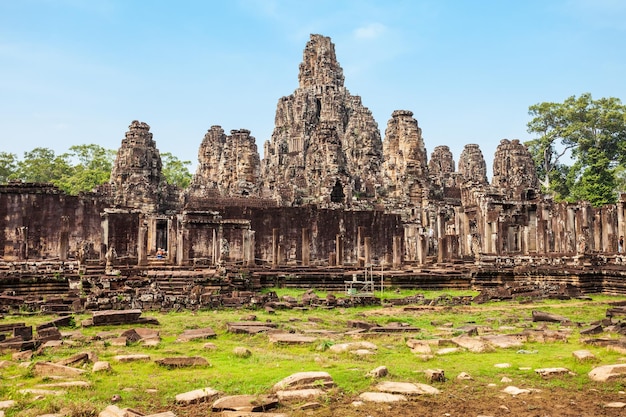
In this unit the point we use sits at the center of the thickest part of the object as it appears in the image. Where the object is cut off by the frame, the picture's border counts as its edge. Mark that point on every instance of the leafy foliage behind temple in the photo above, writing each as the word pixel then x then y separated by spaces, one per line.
pixel 588 134
pixel 81 169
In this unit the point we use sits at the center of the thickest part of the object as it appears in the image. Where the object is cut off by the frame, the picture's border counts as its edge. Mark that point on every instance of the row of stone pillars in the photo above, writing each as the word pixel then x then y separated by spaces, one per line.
pixel 335 258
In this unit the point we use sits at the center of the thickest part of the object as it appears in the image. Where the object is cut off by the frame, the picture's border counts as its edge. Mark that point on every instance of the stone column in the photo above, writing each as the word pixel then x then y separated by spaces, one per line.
pixel 359 235
pixel 397 251
pixel 64 238
pixel 142 255
pixel 182 251
pixel 306 246
pixel 422 248
pixel 339 249
pixel 367 251
pixel 215 247
pixel 275 257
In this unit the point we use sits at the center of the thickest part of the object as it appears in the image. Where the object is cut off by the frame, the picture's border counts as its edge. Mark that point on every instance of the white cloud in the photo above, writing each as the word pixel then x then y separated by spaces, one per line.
pixel 371 31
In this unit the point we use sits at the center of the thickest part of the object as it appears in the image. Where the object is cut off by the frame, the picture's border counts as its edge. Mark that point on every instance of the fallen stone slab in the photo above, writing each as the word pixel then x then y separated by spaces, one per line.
pixel 615 404
pixel 131 358
pixel 64 321
pixel 406 388
pixel 7 404
pixel 382 397
pixel 25 355
pixel 44 392
pixel 504 341
pixel 6 364
pixel 182 362
pixel 251 403
pixel 549 372
pixel 195 334
pixel 112 411
pixel 197 396
pixel 250 327
pixel 511 390
pixel 299 394
pixel 101 318
pixel 378 372
pixel 302 380
pixel 291 338
pixel 470 343
pixel 548 317
pixel 101 366
pixel 163 414
pixel 583 355
pixel 608 372
pixel 131 336
pixel 345 347
pixel 74 359
pixel 49 369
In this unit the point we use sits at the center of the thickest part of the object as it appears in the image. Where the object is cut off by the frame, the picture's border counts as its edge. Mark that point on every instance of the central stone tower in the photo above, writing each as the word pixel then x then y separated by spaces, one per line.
pixel 326 147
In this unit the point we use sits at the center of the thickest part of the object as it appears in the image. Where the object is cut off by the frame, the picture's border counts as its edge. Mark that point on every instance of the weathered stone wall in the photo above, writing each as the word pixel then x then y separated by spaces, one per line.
pixel 37 221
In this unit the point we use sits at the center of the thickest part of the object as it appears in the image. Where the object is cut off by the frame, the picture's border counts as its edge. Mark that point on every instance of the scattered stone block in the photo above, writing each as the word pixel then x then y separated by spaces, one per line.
pixel 345 347
pixel 75 359
pixel 250 403
pixel 382 397
pixel 435 375
pixel 464 376
pixel 583 355
pixel 291 338
pixel 302 380
pixel 379 372
pixel 471 344
pixel 251 414
pixel 608 372
pixel 447 351
pixel 514 391
pixel 504 341
pixel 105 317
pixel 131 336
pixel 242 352
pixel 25 355
pixel 406 388
pixel 6 364
pixel 249 327
pixel 615 404
pixel 53 369
pixel 197 396
pixel 43 392
pixel 112 411
pixel 298 394
pixel 209 346
pixel 101 366
pixel 195 334
pixel 182 362
pixel 7 404
pixel 548 372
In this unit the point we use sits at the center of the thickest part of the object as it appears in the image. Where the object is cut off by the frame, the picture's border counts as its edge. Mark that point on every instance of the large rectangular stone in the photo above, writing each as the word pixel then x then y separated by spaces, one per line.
pixel 115 317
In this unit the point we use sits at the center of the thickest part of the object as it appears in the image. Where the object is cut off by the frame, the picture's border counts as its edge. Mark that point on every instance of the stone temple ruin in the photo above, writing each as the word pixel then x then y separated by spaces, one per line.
pixel 330 200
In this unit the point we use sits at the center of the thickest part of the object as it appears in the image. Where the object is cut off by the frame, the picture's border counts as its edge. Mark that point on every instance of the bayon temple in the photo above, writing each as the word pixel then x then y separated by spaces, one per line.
pixel 330 199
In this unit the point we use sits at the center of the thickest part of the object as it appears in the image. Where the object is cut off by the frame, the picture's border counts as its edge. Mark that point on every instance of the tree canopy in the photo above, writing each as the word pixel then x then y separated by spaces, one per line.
pixel 81 169
pixel 588 133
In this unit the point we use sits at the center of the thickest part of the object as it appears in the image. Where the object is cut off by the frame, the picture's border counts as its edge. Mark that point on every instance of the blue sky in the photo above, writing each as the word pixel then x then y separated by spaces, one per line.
pixel 80 71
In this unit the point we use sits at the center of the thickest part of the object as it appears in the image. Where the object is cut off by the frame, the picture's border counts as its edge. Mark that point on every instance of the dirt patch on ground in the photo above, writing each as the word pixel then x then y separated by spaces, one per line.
pixel 459 401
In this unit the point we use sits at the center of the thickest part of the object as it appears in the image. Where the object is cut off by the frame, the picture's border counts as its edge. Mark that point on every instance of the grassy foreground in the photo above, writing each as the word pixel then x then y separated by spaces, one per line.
pixel 147 387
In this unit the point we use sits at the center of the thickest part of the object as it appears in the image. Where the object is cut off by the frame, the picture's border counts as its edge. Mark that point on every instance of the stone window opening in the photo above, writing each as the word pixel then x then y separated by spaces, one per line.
pixel 337 195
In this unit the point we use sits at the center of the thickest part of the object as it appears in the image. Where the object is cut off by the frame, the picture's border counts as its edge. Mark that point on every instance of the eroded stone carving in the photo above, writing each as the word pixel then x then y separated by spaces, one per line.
pixel 514 171
pixel 136 178
pixel 326 147
pixel 227 165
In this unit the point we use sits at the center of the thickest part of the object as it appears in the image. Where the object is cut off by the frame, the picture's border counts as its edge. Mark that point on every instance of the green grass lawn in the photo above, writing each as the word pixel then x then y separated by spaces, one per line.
pixel 148 387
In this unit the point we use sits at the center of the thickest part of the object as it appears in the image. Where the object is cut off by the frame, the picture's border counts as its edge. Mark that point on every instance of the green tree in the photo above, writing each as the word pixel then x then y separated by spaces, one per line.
pixel 592 133
pixel 8 166
pixel 176 172
pixel 42 165
pixel 91 167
